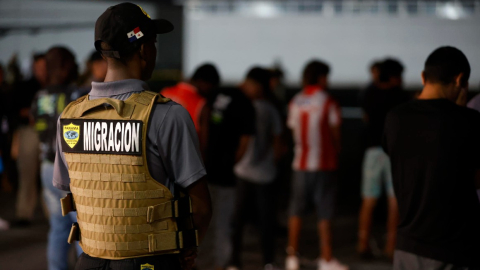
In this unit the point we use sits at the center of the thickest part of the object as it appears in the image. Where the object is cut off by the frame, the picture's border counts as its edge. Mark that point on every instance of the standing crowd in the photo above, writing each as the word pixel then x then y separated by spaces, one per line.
pixel 418 149
pixel 422 151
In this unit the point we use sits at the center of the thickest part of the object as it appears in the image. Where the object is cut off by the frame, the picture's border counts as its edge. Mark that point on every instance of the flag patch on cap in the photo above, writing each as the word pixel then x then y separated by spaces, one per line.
pixel 135 34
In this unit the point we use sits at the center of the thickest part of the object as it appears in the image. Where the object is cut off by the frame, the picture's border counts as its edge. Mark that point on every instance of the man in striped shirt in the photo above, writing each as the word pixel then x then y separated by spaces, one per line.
pixel 315 120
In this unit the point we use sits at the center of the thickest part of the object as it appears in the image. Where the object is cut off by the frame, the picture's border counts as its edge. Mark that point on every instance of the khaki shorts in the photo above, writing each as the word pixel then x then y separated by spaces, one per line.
pixel 377 172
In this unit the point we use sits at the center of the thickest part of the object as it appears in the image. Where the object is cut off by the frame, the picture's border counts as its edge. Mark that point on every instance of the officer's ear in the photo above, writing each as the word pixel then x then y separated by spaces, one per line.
pixel 142 52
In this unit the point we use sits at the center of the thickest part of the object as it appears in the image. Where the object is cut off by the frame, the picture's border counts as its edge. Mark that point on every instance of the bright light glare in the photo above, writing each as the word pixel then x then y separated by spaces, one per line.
pixel 264 9
pixel 451 11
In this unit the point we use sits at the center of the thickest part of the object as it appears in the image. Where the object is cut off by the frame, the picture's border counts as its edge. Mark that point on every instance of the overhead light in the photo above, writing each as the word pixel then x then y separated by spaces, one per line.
pixel 264 9
pixel 452 11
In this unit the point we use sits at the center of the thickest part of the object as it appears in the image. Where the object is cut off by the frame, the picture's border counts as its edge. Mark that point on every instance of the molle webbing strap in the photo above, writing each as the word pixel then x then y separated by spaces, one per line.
pixel 68 204
pixel 155 243
pixel 108 177
pixel 152 213
pixel 104 159
pixel 111 212
pixel 118 195
pixel 144 228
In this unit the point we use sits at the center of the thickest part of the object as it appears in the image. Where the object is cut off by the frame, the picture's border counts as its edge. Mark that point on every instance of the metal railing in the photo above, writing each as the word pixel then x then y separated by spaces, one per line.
pixel 444 9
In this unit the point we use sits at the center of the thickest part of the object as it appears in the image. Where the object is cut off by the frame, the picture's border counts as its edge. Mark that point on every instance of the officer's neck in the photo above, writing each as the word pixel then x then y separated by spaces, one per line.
pixel 123 72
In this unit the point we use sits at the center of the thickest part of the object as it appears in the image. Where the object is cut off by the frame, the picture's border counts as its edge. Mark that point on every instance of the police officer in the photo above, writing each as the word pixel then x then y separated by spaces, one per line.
pixel 131 159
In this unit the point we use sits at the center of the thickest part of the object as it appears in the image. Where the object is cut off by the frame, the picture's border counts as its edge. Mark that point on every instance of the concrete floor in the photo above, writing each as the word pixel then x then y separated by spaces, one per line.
pixel 25 249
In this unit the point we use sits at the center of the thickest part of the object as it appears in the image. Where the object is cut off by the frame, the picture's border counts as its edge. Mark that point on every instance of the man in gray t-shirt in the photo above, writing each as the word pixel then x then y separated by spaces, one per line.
pixel 258 163
pixel 125 36
pixel 256 170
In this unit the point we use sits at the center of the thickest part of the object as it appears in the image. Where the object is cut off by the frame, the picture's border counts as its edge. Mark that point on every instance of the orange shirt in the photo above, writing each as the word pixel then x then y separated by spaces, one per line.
pixel 187 95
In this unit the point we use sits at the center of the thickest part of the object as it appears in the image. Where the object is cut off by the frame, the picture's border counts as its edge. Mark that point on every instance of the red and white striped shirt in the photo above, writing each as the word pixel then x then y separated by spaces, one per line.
pixel 310 115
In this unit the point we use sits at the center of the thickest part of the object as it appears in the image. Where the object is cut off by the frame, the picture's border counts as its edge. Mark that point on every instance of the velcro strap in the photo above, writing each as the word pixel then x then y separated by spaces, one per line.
pixel 176 208
pixel 131 229
pixel 155 243
pixel 188 239
pixel 162 99
pixel 68 204
pixel 145 97
pixel 183 207
pixel 160 211
pixel 118 195
pixel 152 213
pixel 104 159
pixel 74 233
pixel 108 177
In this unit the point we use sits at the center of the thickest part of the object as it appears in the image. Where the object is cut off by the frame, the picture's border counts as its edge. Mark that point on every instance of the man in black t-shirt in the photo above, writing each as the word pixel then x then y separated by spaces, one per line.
pixel 232 123
pixel 378 99
pixel 433 144
pixel 47 106
pixel 226 124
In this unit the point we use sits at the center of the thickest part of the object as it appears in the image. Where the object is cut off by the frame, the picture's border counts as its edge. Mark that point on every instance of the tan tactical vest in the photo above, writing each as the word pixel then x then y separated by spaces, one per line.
pixel 122 211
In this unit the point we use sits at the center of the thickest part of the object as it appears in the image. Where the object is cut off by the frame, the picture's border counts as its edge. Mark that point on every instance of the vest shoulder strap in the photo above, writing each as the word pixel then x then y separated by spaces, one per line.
pixel 71 109
pixel 162 99
pixel 145 98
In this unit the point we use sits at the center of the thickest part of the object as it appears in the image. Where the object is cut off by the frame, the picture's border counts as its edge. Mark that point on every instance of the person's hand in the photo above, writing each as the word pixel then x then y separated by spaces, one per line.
pixel 187 258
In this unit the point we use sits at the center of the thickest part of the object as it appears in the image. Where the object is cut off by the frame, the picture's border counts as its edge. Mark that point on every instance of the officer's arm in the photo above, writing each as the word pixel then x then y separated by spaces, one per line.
pixel 202 206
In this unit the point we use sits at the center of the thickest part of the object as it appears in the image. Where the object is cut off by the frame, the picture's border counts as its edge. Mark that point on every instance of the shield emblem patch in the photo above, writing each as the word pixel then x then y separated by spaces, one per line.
pixel 146 267
pixel 71 134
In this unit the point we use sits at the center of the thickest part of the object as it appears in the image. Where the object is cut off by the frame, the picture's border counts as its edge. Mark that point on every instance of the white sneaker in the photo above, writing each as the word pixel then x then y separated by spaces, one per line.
pixel 292 263
pixel 333 264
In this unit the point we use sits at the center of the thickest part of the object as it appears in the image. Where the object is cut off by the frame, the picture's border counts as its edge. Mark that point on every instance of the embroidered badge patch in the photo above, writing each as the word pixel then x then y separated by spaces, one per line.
pixel 71 134
pixel 135 34
pixel 146 267
pixel 98 136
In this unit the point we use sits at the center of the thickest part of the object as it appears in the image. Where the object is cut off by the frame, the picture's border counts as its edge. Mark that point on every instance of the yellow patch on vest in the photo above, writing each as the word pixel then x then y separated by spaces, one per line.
pixel 71 134
pixel 146 14
pixel 146 267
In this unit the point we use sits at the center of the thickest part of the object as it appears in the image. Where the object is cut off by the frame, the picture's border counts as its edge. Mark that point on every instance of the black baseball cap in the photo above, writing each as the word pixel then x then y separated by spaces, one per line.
pixel 125 27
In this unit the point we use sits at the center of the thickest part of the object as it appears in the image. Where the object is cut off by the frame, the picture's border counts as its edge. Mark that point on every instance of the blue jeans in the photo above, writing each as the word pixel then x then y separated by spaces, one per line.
pixel 57 247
